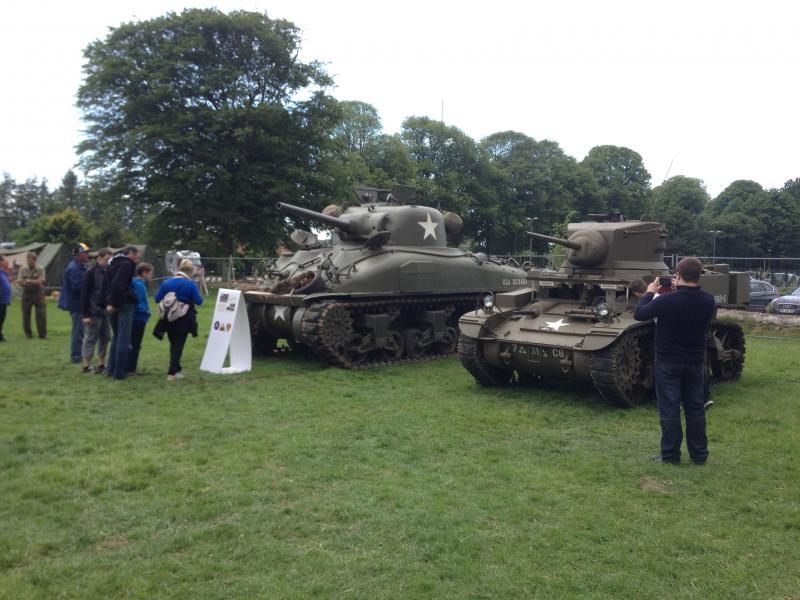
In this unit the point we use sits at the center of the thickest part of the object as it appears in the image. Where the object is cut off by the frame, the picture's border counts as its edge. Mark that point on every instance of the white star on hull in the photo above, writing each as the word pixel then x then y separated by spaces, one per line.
pixel 556 325
pixel 280 312
pixel 429 226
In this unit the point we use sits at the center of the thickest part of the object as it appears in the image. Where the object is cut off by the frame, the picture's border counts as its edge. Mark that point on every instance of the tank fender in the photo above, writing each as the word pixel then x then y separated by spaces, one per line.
pixel 479 324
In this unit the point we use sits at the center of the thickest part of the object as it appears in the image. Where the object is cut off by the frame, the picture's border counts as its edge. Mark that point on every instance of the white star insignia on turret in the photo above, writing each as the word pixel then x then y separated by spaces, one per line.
pixel 429 226
pixel 556 325
pixel 280 312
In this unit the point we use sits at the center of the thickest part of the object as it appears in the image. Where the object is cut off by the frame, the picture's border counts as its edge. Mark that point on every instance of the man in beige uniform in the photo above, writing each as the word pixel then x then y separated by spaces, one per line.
pixel 31 280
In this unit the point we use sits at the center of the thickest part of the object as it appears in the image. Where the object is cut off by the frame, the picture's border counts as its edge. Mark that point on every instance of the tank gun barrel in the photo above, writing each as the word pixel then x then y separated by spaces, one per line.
pixel 298 211
pixel 556 240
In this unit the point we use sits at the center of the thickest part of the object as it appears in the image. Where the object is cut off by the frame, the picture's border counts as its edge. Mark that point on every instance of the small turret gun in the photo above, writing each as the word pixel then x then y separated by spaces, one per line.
pixel 312 215
pixel 555 240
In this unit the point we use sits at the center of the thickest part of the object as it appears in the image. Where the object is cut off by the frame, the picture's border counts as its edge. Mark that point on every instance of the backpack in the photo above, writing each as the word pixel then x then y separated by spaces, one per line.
pixel 172 309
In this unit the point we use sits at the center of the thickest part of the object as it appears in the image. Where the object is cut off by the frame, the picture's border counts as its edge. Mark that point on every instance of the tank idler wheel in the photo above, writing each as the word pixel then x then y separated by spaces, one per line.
pixel 413 342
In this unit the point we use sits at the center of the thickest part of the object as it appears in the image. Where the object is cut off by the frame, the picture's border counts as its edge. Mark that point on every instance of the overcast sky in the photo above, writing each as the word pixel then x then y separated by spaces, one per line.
pixel 708 87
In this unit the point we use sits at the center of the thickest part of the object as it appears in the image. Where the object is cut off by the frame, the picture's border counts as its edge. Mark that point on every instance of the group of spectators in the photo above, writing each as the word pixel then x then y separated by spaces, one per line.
pixel 109 305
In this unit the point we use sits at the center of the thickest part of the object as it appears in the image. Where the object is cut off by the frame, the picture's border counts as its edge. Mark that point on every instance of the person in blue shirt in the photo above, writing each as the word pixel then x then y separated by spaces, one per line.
pixel 141 313
pixel 185 290
pixel 683 318
pixel 70 298
pixel 5 293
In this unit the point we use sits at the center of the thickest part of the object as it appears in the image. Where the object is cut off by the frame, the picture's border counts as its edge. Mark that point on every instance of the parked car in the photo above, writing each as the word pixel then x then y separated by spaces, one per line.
pixel 761 294
pixel 786 305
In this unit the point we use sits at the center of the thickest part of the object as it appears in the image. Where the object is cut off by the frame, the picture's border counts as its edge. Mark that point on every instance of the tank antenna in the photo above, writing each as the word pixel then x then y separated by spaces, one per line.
pixel 653 205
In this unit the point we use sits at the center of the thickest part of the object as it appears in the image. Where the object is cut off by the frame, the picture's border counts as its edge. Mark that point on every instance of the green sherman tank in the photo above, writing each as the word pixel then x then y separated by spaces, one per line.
pixel 577 323
pixel 388 289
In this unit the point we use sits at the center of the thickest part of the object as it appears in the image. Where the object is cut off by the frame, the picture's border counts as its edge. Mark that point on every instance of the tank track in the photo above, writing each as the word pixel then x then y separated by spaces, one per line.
pixel 328 328
pixel 623 373
pixel 726 352
pixel 470 351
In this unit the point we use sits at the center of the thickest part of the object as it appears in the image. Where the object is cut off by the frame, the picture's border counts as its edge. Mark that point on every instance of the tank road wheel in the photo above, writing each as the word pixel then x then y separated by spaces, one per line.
pixel 470 351
pixel 395 346
pixel 623 372
pixel 413 343
pixel 725 355
pixel 448 343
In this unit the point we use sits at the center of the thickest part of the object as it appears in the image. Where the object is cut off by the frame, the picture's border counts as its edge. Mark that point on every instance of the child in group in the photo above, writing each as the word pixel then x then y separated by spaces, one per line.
pixel 141 314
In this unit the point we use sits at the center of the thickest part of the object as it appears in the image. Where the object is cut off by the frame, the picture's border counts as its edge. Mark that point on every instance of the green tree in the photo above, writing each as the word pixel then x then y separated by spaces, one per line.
pixel 70 194
pixel 66 227
pixel 623 181
pixel 360 124
pixel 388 161
pixel 544 182
pixel 23 202
pixel 205 120
pixel 679 203
pixel 740 213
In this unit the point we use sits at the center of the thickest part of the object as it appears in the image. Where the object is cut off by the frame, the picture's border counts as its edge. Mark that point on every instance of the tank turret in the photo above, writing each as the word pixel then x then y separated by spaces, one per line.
pixel 384 288
pixel 609 247
pixel 577 323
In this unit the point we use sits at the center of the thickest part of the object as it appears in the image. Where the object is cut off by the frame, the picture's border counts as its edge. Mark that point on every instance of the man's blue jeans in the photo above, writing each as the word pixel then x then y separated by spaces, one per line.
pixel 122 324
pixel 76 338
pixel 681 384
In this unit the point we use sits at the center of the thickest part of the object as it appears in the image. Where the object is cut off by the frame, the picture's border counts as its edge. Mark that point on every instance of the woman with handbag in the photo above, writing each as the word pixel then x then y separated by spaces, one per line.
pixel 177 298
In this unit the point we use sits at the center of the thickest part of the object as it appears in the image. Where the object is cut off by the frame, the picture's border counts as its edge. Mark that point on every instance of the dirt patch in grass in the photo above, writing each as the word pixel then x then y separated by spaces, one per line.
pixel 110 544
pixel 649 484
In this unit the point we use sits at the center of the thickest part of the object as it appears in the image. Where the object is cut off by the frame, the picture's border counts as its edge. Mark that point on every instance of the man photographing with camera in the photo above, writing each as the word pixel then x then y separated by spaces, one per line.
pixel 683 318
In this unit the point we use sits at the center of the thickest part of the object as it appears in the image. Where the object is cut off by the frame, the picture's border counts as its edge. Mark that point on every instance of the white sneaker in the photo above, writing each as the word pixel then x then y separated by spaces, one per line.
pixel 175 377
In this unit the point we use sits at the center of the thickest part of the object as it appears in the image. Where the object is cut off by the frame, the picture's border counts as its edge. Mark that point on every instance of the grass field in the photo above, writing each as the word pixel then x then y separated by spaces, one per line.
pixel 297 480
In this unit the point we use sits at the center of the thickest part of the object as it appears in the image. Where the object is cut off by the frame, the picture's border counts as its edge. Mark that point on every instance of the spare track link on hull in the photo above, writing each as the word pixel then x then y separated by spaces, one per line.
pixel 470 351
pixel 328 328
pixel 726 356
pixel 623 373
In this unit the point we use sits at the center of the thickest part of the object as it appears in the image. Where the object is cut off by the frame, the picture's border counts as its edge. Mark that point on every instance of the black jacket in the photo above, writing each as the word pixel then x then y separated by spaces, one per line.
pixel 91 292
pixel 118 284
pixel 683 319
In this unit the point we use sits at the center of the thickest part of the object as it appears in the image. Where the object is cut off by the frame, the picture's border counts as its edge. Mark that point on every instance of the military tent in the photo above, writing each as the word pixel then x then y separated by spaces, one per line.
pixel 54 258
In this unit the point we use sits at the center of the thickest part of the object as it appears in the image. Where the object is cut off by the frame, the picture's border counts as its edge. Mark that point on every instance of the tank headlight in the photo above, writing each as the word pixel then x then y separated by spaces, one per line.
pixel 487 302
pixel 602 310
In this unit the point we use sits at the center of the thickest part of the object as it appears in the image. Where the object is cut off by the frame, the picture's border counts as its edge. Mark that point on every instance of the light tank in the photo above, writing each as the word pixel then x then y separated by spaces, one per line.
pixel 386 289
pixel 577 323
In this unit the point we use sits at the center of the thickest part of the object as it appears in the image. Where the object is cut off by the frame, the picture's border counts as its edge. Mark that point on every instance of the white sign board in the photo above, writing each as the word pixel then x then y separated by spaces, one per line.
pixel 230 330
